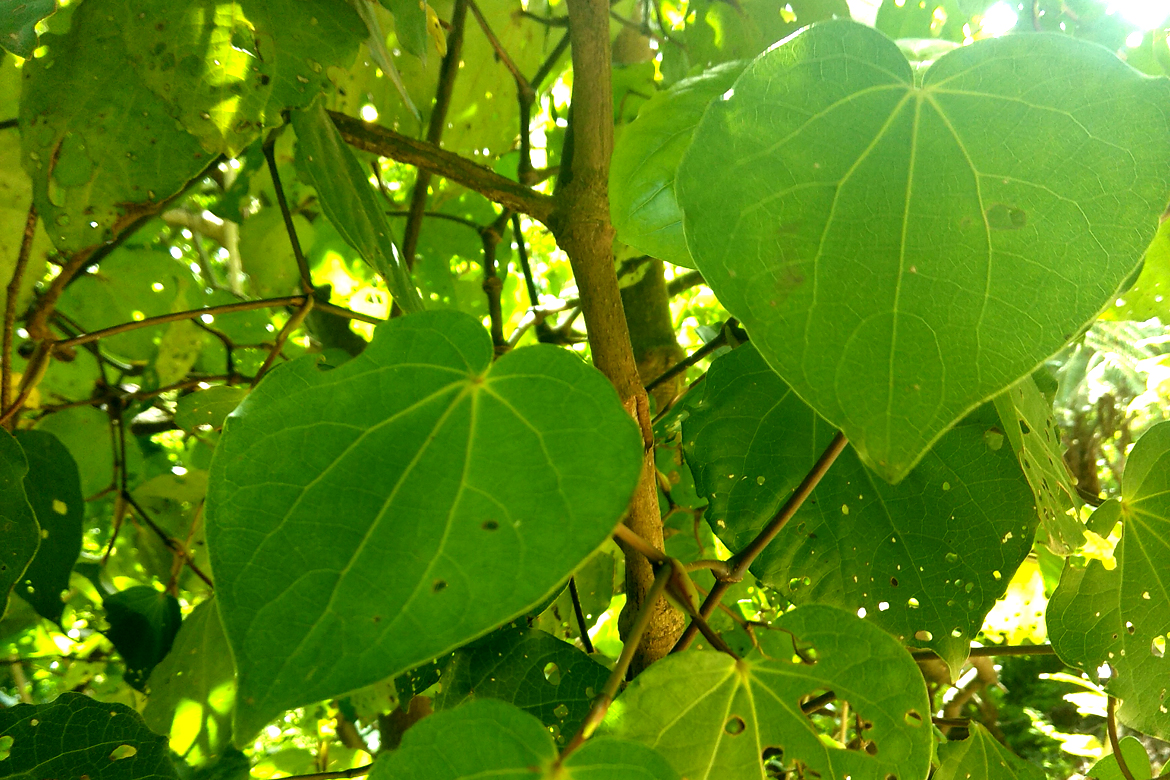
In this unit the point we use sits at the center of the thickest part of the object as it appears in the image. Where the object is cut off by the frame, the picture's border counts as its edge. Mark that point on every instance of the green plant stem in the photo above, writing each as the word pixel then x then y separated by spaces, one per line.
pixel 1114 743
pixel 30 229
pixel 582 626
pixel 626 535
pixel 992 651
pixel 744 559
pixel 269 147
pixel 609 691
pixel 357 771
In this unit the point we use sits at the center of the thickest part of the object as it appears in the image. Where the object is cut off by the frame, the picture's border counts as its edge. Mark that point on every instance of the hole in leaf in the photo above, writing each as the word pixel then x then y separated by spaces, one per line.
pixel 561 711
pixel 1024 429
pixel 871 748
pixel 552 673
pixel 123 751
pixel 993 438
pixel 490 525
pixel 912 718
pixel 1158 647
pixel 5 746
pixel 894 582
pixel 923 636
pixel 438 585
pixel 1129 627
pixel 734 725
pixel 1003 217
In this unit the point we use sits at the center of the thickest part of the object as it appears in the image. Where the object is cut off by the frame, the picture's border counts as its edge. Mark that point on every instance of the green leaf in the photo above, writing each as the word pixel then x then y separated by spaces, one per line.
pixel 76 736
pixel 193 689
pixel 1147 297
pixel 646 155
pixel 901 251
pixel 981 757
pixel 231 69
pixel 349 201
pixel 495 739
pixel 1136 758
pixel 20 535
pixel 102 149
pixel 410 25
pixel 713 717
pixel 419 471
pixel 143 623
pixel 1030 428
pixel 208 407
pixel 85 432
pixel 53 486
pixel 267 255
pixel 18 22
pixel 1122 616
pixel 535 671
pixel 925 558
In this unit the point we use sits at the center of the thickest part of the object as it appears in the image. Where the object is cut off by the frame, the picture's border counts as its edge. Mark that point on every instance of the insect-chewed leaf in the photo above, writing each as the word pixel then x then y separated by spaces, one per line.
pixel 366 519
pixel 904 246
pixel 981 756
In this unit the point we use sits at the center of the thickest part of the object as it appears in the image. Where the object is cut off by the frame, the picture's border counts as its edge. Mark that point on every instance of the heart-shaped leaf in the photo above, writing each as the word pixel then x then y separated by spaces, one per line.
pixel 366 519
pixel 1121 616
pixel 925 558
pixel 714 717
pixel 490 738
pixel 981 757
pixel 890 238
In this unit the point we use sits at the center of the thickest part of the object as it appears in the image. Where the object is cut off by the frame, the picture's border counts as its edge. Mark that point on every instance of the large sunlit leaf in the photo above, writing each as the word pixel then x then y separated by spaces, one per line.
pixel 102 148
pixel 19 533
pixel 53 486
pixel 981 757
pixel 490 738
pixel 642 203
pixel 77 736
pixel 231 68
pixel 713 717
pixel 1121 616
pixel 903 246
pixel 533 670
pixel 410 486
pixel 193 689
pixel 349 201
pixel 925 558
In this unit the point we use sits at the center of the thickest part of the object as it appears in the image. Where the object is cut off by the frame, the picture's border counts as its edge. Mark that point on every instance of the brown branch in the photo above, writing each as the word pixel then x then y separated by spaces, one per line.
pixel 742 560
pixel 693 358
pixel 521 82
pixel 8 124
pixel 582 626
pixel 387 143
pixel 684 282
pixel 173 544
pixel 547 21
pixel 357 771
pixel 438 122
pixel 30 229
pixel 493 287
pixel 269 148
pixel 293 323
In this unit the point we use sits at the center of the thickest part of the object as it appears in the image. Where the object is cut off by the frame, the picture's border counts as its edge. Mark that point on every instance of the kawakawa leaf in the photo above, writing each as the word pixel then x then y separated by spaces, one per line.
pixel 533 670
pixel 646 155
pixel 53 487
pixel 1122 616
pixel 495 739
pixel 366 519
pixel 78 736
pixel 714 717
pixel 193 688
pixel 926 558
pixel 19 533
pixel 143 623
pixel 231 68
pixel 102 149
pixel 981 757
pixel 902 245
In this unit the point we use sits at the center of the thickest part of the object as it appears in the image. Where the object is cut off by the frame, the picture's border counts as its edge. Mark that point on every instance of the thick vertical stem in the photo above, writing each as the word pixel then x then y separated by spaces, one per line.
pixel 581 224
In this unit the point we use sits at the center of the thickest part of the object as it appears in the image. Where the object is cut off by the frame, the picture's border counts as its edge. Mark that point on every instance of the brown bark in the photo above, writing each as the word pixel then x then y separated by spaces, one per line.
pixel 580 221
pixel 647 305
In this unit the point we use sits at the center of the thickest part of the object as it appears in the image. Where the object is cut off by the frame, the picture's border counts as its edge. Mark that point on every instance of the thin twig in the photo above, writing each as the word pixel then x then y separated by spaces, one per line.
pixel 684 282
pixel 636 542
pixel 173 544
pixel 582 626
pixel 493 287
pixel 293 323
pixel 269 147
pixel 1111 727
pixel 693 358
pixel 357 771
pixel 609 691
pixel 8 124
pixel 30 229
pixel 547 21
pixel 992 651
pixel 745 557
pixel 498 48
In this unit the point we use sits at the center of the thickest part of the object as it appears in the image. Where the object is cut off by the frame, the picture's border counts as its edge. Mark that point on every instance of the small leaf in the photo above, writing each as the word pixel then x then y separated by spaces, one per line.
pixel 18 21
pixel 208 407
pixel 1150 294
pixel 53 486
pixel 143 623
pixel 20 536
pixel 192 690
pixel 1136 759
pixel 981 757
pixel 926 558
pixel 902 246
pixel 410 25
pixel 714 717
pixel 646 155
pixel 267 255
pixel 498 740
pixel 419 471
pixel 76 736
pixel 349 201
pixel 535 671
pixel 1122 617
